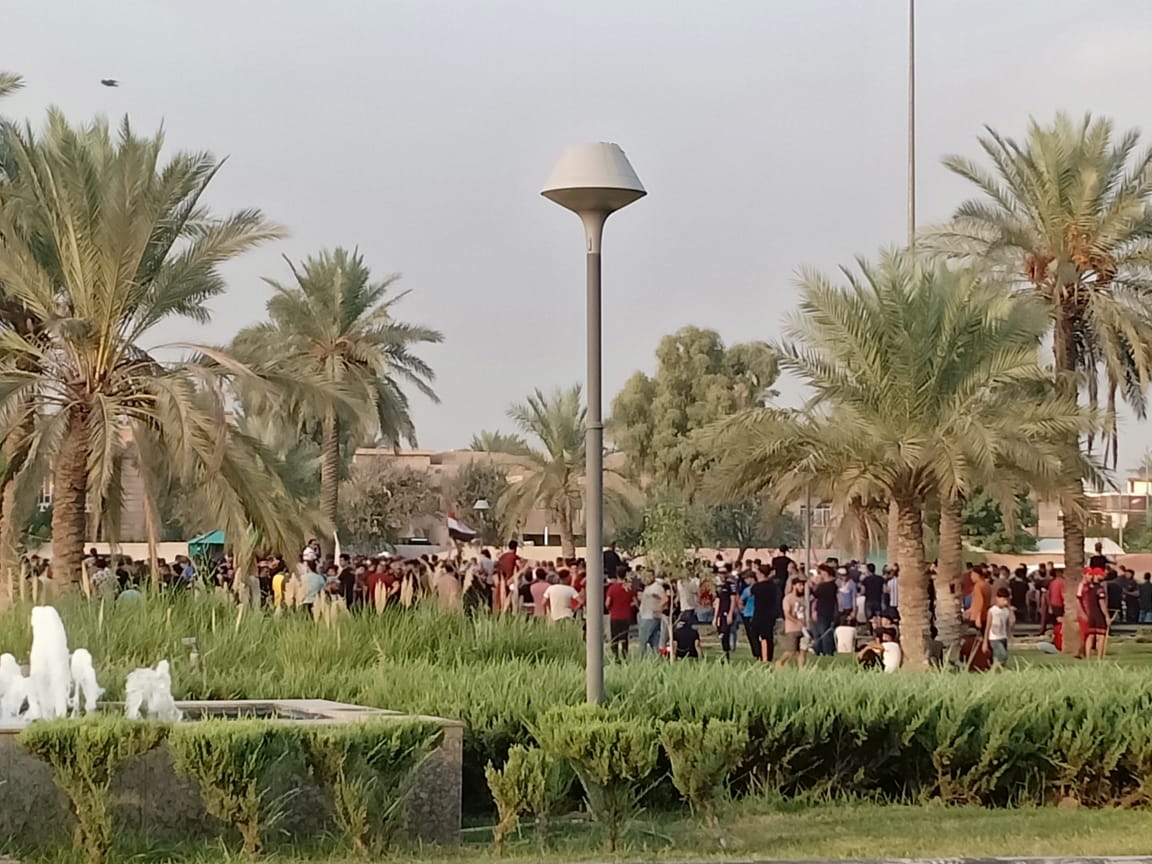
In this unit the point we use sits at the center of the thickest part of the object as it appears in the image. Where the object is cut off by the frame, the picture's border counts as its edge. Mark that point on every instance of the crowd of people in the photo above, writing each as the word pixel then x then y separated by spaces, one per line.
pixel 782 612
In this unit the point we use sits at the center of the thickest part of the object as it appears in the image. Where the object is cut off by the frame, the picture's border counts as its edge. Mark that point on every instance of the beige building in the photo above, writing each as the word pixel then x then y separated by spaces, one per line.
pixel 1115 510
pixel 442 466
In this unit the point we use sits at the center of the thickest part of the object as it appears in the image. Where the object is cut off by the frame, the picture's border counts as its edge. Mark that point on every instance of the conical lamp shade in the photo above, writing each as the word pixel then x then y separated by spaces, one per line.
pixel 593 177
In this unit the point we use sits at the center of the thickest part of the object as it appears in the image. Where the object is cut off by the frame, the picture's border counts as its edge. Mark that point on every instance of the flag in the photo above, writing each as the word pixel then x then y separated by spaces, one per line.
pixel 457 530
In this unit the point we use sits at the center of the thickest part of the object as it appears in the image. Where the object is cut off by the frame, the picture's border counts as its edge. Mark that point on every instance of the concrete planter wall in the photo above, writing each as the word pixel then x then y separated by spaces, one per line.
pixel 149 797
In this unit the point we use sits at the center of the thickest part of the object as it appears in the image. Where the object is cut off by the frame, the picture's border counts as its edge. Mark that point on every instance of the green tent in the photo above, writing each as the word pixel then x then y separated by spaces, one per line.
pixel 206 545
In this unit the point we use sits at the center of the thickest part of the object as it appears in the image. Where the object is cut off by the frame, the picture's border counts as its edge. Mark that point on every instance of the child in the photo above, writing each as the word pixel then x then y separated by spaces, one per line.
pixel 845 635
pixel 998 628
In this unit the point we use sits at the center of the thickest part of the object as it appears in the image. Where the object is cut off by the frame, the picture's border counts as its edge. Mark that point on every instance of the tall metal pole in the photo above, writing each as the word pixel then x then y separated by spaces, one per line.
pixel 594 470
pixel 911 124
pixel 807 529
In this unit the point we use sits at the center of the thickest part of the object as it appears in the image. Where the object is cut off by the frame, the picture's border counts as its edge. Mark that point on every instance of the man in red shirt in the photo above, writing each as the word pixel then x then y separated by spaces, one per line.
pixel 506 566
pixel 618 601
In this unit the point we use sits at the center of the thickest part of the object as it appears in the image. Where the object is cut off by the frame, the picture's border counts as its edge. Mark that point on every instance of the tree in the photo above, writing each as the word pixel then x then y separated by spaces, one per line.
pixel 751 522
pixel 336 325
pixel 382 503
pixel 1064 214
pixel 482 481
pixel 697 382
pixel 498 442
pixel 919 374
pixel 984 523
pixel 9 83
pixel 106 242
pixel 552 465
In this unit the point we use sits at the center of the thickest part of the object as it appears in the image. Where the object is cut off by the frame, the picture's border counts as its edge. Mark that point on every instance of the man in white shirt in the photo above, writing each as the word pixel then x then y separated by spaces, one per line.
pixel 650 617
pixel 559 600
pixel 688 587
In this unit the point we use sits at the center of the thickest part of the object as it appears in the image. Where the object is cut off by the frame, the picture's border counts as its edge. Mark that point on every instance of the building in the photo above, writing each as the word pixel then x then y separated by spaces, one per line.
pixel 1114 511
pixel 442 467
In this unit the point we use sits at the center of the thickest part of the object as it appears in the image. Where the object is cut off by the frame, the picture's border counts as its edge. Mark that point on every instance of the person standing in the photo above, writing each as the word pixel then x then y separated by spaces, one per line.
pixel 1146 599
pixel 724 612
pixel 506 568
pixel 764 614
pixel 794 621
pixel 782 564
pixel 873 593
pixel 653 600
pixel 612 563
pixel 1001 620
pixel 619 601
pixel 538 587
pixel 747 605
pixel 1094 615
pixel 824 601
pixel 560 601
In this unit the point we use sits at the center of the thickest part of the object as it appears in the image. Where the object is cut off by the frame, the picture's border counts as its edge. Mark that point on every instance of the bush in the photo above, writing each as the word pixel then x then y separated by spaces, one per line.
pixel 84 756
pixel 703 755
pixel 613 759
pixel 532 782
pixel 368 769
pixel 232 761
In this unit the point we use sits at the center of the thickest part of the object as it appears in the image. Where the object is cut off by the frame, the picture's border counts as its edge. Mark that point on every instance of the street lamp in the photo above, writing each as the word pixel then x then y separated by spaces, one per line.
pixel 594 181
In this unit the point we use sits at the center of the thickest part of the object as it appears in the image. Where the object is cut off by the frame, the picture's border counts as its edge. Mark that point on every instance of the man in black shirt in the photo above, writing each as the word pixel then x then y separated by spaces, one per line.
pixel 824 595
pixel 347 579
pixel 612 562
pixel 765 613
pixel 781 563
pixel 873 585
pixel 725 616
pixel 1098 561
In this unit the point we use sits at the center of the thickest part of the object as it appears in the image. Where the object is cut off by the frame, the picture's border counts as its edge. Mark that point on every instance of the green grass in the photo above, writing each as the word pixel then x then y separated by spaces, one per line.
pixel 753 829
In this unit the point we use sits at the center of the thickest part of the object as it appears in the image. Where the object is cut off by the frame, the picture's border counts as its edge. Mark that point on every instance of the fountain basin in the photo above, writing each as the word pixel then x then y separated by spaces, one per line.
pixel 150 797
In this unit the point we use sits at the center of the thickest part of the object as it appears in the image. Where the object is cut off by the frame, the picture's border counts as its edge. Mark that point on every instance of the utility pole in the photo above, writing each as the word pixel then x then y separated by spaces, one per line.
pixel 911 124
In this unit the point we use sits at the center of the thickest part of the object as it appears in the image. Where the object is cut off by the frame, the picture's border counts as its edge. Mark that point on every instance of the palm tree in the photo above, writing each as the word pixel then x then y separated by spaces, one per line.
pixel 337 326
pixel 103 242
pixel 922 376
pixel 10 82
pixel 1064 214
pixel 497 442
pixel 553 464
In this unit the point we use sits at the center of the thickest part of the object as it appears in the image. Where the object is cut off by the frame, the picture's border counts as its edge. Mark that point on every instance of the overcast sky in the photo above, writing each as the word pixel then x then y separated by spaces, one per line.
pixel 770 135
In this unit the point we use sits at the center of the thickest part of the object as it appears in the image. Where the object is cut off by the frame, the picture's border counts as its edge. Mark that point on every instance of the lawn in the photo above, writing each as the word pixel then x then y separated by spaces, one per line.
pixel 753 829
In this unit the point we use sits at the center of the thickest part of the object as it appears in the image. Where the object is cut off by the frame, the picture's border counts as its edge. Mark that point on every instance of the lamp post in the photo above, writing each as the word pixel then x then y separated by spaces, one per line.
pixel 594 181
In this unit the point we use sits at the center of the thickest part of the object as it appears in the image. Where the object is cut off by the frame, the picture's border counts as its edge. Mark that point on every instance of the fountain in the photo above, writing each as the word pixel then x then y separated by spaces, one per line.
pixel 48 665
pixel 148 793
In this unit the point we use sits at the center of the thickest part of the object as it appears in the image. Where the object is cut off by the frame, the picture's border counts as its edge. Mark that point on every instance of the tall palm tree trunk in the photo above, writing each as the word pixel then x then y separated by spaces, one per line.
pixel 950 573
pixel 330 474
pixel 914 622
pixel 1072 499
pixel 70 499
pixel 568 536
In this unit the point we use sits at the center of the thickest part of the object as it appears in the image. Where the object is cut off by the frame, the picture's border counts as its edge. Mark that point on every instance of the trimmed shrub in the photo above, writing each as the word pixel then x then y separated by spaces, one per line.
pixel 84 756
pixel 531 782
pixel 232 762
pixel 703 755
pixel 368 770
pixel 613 758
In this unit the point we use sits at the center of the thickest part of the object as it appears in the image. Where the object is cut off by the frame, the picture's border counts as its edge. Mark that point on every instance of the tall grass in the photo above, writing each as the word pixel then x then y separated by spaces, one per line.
pixel 1033 736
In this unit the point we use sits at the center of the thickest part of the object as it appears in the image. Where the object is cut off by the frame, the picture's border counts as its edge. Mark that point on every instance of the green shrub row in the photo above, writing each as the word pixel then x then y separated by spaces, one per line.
pixel 365 768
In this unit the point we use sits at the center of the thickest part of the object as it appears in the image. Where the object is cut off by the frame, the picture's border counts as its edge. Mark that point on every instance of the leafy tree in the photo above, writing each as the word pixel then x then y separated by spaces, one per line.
pixel 984 523
pixel 749 523
pixel 337 326
pixel 922 377
pixel 552 465
pixel 9 83
pixel 670 530
pixel 1064 213
pixel 697 382
pixel 482 481
pixel 383 501
pixel 498 442
pixel 106 242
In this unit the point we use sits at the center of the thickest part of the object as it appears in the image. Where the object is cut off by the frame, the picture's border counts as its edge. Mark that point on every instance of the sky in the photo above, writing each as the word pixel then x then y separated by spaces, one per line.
pixel 770 135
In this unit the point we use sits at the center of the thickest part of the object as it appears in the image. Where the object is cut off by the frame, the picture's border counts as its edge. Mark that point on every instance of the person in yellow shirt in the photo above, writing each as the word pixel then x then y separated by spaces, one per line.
pixel 278 589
